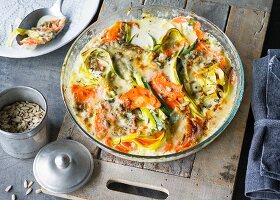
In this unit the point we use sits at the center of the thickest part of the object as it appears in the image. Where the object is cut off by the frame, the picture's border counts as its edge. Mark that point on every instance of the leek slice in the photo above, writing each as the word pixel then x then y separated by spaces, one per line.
pixel 150 121
pixel 186 50
pixel 158 142
pixel 164 107
pixel 127 36
pixel 100 55
pixel 172 37
pixel 30 33
pixel 125 138
pixel 133 138
pixel 149 118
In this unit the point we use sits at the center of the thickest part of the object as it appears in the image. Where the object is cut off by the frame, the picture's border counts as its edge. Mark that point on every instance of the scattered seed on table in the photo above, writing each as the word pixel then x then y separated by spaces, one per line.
pixel 25 183
pixel 8 188
pixel 30 184
pixel 38 191
pixel 14 197
pixel 28 191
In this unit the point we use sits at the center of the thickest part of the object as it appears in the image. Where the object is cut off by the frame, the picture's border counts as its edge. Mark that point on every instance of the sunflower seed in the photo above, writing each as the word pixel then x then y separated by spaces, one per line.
pixel 30 184
pixel 25 183
pixel 25 108
pixel 37 108
pixel 17 119
pixel 38 191
pixel 14 197
pixel 28 191
pixel 8 188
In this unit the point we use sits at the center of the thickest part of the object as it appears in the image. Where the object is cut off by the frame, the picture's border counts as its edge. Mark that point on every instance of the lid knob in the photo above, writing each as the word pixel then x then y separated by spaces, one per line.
pixel 62 161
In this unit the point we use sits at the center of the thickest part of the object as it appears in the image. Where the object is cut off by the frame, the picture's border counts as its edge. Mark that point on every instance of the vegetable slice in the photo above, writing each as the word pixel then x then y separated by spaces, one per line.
pixel 172 42
pixel 113 33
pixel 169 91
pixel 139 97
pixel 147 142
pixel 82 93
pixel 97 59
pixel 151 143
pixel 150 118
pixel 127 36
pixel 186 50
pixel 164 107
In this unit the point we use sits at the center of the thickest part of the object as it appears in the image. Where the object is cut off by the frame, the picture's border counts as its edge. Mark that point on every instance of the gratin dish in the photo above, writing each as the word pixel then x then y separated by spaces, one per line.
pixel 161 12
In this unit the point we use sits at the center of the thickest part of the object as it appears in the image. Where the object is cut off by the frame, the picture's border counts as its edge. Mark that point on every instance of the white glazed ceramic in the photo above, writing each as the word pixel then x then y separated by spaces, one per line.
pixel 79 13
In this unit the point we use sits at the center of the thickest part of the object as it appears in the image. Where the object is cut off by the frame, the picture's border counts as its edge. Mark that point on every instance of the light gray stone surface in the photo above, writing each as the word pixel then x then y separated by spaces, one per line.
pixel 42 73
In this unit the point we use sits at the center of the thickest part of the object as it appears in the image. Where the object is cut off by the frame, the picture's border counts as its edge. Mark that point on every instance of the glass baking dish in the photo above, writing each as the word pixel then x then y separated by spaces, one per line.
pixel 133 13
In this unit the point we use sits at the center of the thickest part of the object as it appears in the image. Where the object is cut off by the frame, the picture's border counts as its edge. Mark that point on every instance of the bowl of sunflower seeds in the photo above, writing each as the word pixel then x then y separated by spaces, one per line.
pixel 23 121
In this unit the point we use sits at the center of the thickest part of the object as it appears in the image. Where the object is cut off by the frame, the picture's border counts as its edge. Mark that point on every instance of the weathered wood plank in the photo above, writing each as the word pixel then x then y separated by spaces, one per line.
pixel 111 6
pixel 215 12
pixel 261 5
pixel 245 38
pixel 246 29
pixel 175 187
pixel 182 167
pixel 173 3
pixel 111 158
pixel 67 127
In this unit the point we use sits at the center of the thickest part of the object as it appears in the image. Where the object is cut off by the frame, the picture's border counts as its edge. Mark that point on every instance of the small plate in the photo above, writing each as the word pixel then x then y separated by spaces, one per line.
pixel 79 13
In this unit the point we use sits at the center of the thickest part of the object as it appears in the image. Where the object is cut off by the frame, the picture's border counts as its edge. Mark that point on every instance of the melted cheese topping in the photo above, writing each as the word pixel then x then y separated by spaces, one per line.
pixel 152 86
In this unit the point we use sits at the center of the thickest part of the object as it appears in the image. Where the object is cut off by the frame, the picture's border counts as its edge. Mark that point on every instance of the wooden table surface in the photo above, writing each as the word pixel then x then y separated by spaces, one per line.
pixel 245 22
pixel 207 174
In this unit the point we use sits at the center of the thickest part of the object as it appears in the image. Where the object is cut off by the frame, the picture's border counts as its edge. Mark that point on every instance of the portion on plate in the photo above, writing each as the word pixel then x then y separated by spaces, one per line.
pixel 46 30
pixel 152 86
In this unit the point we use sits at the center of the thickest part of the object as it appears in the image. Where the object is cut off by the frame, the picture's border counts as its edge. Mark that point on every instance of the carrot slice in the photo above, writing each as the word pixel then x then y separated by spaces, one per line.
pixel 29 41
pixel 202 47
pixel 200 34
pixel 168 147
pixel 113 33
pixel 222 62
pixel 185 145
pixel 100 122
pixel 58 24
pixel 82 93
pixel 169 51
pixel 139 97
pixel 188 139
pixel 181 19
pixel 172 103
pixel 171 92
pixel 145 141
pixel 123 147
pixel 108 141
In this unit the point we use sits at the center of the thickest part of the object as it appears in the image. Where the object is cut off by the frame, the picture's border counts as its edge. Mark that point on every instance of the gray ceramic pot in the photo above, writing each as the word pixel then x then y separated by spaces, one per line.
pixel 26 144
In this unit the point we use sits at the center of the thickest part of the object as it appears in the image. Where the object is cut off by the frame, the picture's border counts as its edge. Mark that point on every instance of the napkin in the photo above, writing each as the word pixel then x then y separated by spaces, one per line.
pixel 263 169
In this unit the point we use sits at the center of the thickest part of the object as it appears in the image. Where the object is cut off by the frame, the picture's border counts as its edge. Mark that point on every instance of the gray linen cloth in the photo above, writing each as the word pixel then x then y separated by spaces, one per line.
pixel 263 169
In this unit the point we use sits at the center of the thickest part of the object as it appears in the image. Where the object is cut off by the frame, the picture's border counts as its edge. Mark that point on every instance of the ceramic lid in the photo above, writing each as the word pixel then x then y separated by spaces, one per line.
pixel 63 166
